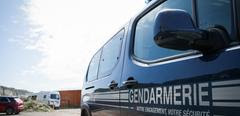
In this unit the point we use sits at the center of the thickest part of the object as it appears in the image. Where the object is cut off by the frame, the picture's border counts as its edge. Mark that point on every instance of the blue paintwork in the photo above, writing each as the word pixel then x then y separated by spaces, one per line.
pixel 100 100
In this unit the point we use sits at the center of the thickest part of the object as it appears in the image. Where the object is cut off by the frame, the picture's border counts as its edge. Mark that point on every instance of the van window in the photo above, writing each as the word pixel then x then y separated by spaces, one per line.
pixel 214 12
pixel 12 99
pixel 93 67
pixel 110 54
pixel 54 96
pixel 34 97
pixel 144 46
pixel 3 100
pixel 45 96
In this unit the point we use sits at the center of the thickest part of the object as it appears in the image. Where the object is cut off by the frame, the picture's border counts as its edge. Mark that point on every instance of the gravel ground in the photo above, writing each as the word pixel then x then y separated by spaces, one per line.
pixel 60 112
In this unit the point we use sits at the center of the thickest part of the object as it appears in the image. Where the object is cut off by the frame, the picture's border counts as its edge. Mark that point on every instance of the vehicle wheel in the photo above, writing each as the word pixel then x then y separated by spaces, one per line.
pixel 17 112
pixel 85 113
pixel 9 111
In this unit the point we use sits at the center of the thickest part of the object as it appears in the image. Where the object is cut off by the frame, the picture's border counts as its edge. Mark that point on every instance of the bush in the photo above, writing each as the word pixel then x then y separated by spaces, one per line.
pixel 35 106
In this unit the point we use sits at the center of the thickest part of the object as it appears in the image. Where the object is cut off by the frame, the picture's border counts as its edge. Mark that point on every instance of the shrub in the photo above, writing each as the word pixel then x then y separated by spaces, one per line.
pixel 35 106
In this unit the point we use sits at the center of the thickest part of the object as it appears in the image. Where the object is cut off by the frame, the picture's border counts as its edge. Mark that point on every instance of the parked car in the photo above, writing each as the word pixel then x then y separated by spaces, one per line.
pixel 51 98
pixel 175 58
pixel 11 105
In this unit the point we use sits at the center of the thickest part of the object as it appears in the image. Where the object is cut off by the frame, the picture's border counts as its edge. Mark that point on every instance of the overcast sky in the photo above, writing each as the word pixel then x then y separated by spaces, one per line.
pixel 47 44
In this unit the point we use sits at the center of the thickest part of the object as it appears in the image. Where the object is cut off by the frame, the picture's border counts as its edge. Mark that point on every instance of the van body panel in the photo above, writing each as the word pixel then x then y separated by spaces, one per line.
pixel 189 85
pixel 189 72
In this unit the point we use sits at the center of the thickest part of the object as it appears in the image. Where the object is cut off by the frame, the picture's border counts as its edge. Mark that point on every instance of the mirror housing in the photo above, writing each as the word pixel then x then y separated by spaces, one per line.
pixel 174 29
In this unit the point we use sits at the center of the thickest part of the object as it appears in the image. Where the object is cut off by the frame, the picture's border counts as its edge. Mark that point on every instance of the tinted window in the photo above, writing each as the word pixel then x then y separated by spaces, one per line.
pixel 144 45
pixel 110 54
pixel 3 99
pixel 214 12
pixel 11 99
pixel 34 97
pixel 15 99
pixel 93 67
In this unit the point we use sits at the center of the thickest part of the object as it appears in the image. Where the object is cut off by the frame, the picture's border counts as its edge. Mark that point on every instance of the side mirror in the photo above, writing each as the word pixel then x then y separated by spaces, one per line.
pixel 174 29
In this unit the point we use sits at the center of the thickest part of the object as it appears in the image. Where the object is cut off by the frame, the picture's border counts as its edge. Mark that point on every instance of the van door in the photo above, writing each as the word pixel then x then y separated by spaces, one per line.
pixel 163 82
pixel 104 90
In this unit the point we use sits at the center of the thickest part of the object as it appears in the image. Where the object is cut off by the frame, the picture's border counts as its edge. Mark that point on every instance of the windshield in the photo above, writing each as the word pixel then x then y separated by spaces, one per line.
pixel 15 99
pixel 54 96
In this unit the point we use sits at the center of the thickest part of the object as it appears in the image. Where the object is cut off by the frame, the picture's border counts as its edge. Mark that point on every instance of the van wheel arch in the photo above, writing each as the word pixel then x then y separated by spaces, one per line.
pixel 85 110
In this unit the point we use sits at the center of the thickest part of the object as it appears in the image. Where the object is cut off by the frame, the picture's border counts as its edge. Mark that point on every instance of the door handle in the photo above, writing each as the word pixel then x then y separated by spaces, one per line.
pixel 130 82
pixel 89 87
pixel 113 85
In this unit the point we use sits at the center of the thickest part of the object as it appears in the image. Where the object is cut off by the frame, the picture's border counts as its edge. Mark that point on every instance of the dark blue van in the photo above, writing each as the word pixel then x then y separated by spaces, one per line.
pixel 175 58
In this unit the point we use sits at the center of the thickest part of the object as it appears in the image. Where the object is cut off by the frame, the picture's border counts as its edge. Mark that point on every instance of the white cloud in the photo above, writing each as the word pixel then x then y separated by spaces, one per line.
pixel 68 32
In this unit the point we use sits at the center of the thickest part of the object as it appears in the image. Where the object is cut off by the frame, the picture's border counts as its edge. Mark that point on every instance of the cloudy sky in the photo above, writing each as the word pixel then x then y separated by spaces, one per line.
pixel 47 44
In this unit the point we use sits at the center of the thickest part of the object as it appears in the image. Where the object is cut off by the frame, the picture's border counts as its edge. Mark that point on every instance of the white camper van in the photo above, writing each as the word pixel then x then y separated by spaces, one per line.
pixel 50 98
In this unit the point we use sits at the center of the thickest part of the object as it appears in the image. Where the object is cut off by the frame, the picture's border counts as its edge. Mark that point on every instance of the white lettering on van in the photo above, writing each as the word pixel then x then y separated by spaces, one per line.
pixel 172 95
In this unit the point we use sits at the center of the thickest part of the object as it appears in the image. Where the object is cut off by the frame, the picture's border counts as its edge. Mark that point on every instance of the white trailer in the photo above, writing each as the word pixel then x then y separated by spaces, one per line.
pixel 47 97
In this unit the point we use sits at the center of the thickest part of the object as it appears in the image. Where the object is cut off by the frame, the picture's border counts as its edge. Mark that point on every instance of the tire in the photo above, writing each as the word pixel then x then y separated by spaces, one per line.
pixel 85 113
pixel 9 111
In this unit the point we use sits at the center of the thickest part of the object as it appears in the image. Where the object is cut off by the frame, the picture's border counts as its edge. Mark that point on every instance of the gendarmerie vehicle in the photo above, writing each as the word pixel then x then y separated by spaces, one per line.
pixel 175 58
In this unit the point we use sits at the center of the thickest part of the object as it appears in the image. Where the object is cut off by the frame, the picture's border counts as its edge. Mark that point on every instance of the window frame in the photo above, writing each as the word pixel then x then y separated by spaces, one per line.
pixel 151 7
pixel 109 72
pixel 87 79
pixel 101 50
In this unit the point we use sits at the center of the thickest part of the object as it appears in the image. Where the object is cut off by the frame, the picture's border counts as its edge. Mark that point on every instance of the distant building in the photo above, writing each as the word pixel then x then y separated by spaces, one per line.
pixel 70 98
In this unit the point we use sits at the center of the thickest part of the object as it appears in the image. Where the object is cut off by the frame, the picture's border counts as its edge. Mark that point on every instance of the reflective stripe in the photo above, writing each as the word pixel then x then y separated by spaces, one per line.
pixel 109 92
pixel 124 101
pixel 107 96
pixel 123 90
pixel 227 104
pixel 226 93
pixel 222 83
pixel 115 106
pixel 124 96
pixel 107 100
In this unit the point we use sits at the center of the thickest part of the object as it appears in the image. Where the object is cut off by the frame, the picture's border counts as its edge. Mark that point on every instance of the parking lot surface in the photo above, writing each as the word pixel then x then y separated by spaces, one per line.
pixel 60 112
